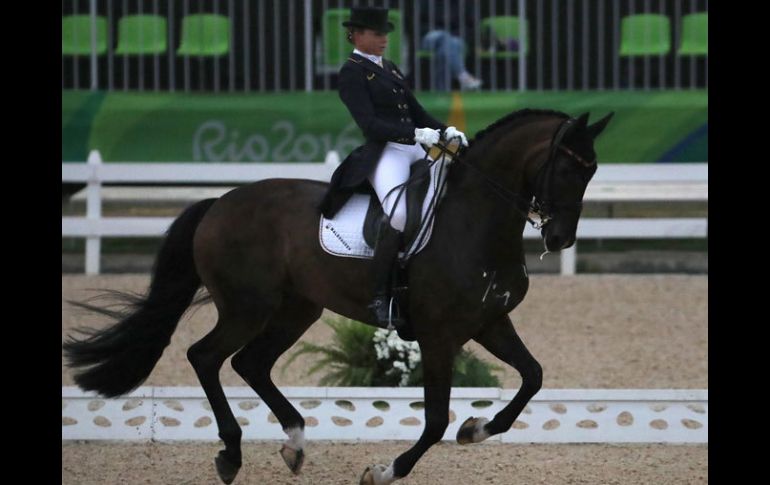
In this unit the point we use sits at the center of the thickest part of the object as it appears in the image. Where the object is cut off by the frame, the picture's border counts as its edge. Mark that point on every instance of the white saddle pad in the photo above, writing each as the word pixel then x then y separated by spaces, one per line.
pixel 344 235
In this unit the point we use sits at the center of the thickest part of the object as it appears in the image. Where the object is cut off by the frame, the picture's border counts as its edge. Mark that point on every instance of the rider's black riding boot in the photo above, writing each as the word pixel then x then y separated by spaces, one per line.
pixel 385 254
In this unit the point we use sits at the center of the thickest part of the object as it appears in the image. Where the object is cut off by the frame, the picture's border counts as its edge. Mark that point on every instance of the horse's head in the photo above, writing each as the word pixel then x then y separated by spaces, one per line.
pixel 561 180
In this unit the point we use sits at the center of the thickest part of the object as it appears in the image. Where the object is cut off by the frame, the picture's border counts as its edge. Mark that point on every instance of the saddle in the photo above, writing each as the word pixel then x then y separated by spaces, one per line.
pixel 353 230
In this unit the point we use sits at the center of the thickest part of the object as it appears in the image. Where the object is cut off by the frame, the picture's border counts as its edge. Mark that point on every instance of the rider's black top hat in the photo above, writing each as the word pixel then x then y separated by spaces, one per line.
pixel 375 18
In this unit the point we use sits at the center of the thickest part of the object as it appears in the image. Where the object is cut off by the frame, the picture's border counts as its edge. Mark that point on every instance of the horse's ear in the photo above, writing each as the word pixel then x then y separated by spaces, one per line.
pixel 582 121
pixel 599 126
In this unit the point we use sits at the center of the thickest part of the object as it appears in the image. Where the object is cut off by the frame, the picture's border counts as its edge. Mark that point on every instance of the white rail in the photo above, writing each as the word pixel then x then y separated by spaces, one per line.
pixel 612 183
pixel 373 414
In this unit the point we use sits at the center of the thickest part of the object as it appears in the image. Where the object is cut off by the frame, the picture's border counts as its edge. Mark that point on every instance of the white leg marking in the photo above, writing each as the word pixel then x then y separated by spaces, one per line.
pixel 296 438
pixel 480 434
pixel 383 475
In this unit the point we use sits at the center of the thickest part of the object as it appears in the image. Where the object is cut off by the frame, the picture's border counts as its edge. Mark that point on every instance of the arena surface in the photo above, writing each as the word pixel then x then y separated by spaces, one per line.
pixel 587 331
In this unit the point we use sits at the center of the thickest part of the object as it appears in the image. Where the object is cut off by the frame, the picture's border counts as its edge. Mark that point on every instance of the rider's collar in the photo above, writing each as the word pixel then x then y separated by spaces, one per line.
pixel 373 58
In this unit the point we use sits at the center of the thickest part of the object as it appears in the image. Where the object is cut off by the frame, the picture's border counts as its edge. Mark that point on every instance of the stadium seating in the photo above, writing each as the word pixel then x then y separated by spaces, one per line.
pixel 505 30
pixel 76 35
pixel 142 34
pixel 205 35
pixel 695 35
pixel 645 35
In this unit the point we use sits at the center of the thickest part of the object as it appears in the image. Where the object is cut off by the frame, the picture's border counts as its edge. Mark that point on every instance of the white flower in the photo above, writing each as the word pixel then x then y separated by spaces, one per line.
pixel 383 352
pixel 403 357
pixel 414 358
pixel 404 380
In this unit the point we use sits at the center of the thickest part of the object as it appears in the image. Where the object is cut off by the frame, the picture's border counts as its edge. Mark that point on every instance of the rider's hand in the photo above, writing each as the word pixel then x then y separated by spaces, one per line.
pixel 453 132
pixel 426 136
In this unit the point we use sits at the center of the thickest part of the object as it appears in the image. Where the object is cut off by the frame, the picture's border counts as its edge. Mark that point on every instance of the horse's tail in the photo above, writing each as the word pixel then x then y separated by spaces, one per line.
pixel 120 357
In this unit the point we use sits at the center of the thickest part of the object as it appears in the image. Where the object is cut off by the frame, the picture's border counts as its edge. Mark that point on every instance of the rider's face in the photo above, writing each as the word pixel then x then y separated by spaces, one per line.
pixel 371 41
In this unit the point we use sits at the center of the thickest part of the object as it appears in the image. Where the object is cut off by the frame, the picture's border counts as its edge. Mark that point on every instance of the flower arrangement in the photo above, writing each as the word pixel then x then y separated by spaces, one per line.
pixel 362 356
pixel 402 357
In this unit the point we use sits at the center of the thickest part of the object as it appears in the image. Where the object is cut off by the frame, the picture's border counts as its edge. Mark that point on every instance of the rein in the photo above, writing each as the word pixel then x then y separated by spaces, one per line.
pixel 539 206
pixel 536 205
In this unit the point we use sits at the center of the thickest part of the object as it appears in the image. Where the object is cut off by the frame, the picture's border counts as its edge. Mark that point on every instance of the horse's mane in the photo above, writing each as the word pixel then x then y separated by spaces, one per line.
pixel 515 116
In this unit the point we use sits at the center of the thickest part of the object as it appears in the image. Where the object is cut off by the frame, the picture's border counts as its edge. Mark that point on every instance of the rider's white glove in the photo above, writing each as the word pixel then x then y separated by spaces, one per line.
pixel 453 132
pixel 426 136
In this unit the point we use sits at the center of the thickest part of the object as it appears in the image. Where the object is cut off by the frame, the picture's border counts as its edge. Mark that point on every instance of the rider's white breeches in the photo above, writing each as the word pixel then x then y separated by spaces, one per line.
pixel 392 170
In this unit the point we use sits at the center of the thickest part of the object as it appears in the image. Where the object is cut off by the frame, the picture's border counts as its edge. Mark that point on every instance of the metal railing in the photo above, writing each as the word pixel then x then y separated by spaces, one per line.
pixel 272 45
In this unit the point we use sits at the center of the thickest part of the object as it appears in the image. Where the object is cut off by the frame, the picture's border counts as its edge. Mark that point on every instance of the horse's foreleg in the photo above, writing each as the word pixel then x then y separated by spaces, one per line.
pixel 256 359
pixel 437 360
pixel 501 340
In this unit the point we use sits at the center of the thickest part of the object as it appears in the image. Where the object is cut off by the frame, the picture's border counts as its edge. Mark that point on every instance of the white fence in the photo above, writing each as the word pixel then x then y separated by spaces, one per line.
pixel 374 414
pixel 612 183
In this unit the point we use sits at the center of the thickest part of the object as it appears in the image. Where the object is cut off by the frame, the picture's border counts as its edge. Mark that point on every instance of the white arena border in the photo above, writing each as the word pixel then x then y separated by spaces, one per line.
pixel 349 414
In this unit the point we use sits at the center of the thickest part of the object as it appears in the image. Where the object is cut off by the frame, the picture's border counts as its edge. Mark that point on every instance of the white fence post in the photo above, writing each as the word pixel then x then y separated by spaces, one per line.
pixel 332 158
pixel 94 212
pixel 569 260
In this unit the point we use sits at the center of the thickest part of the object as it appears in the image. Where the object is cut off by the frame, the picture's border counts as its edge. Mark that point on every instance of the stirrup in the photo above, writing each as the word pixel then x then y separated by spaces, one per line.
pixel 390 314
pixel 391 320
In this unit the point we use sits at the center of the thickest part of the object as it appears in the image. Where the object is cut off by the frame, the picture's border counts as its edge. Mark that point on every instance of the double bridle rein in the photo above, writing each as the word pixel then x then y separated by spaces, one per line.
pixel 538 205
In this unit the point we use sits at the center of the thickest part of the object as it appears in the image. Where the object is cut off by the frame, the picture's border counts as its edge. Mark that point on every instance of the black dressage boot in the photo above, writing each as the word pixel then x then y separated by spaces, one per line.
pixel 385 254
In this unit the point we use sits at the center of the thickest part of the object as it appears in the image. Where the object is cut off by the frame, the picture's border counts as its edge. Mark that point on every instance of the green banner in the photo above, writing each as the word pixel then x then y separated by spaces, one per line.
pixel 303 127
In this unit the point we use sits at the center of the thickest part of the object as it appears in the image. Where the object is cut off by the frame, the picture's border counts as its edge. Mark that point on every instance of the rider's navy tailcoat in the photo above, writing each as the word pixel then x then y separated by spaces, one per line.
pixel 385 109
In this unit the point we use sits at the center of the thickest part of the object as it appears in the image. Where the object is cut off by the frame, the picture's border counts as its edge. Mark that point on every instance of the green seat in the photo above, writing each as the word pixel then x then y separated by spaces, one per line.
pixel 76 35
pixel 335 44
pixel 695 35
pixel 504 29
pixel 205 35
pixel 141 34
pixel 394 50
pixel 645 35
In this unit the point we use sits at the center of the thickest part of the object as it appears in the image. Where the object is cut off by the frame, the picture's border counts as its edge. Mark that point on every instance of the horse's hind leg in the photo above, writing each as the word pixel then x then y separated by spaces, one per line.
pixel 255 361
pixel 207 356
pixel 501 339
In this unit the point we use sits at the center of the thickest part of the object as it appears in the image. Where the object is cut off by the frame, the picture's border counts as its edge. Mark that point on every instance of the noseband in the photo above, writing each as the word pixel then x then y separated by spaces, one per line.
pixel 541 206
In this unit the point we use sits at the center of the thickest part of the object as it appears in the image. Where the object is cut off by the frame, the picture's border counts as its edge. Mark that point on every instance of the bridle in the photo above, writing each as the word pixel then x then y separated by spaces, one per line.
pixel 540 204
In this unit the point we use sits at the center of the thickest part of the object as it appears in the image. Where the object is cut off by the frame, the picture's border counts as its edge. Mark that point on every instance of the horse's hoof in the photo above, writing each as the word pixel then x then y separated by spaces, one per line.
pixel 293 458
pixel 367 478
pixel 375 475
pixel 472 431
pixel 226 469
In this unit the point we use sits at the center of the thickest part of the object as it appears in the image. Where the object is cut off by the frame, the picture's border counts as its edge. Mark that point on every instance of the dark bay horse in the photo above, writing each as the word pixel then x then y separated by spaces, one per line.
pixel 256 252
